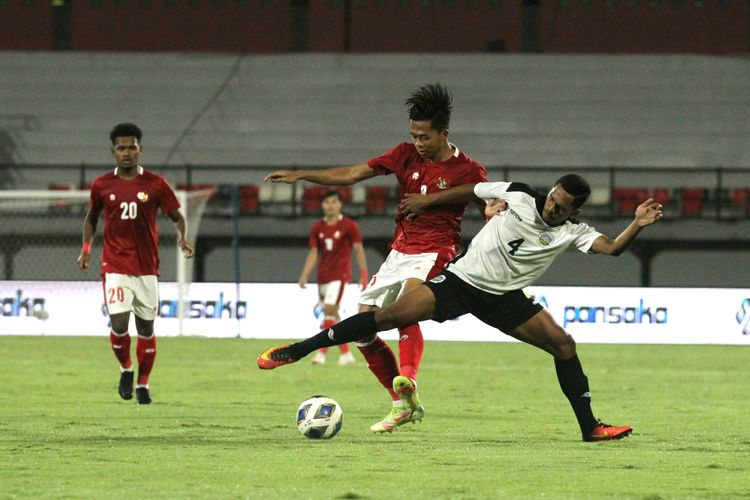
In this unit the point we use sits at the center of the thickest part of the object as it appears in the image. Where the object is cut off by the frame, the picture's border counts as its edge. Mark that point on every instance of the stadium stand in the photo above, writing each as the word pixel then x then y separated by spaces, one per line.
pixel 581 110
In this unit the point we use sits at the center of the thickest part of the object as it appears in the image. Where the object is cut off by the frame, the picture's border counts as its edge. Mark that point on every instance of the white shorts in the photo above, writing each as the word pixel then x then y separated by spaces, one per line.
pixel 330 293
pixel 385 286
pixel 140 294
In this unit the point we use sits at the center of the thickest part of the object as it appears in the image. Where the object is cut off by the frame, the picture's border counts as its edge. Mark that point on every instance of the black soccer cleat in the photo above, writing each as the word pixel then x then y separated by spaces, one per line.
pixel 142 396
pixel 125 389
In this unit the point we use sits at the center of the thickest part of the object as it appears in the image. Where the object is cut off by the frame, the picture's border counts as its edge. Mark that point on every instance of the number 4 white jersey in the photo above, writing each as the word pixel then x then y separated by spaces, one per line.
pixel 515 248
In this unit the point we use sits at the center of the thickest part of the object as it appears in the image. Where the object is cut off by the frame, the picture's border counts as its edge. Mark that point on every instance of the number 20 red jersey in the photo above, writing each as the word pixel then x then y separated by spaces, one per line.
pixel 130 206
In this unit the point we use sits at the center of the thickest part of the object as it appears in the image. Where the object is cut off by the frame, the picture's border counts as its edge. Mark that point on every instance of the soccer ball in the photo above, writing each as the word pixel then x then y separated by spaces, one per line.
pixel 319 417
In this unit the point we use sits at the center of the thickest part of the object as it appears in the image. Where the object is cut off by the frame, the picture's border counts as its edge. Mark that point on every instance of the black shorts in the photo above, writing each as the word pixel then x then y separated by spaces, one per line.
pixel 454 297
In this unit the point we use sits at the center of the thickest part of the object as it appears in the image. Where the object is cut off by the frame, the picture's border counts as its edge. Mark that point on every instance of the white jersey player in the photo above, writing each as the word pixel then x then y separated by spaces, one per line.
pixel 509 253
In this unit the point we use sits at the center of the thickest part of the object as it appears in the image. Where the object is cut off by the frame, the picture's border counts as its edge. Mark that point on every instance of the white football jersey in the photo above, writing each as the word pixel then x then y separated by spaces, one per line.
pixel 515 248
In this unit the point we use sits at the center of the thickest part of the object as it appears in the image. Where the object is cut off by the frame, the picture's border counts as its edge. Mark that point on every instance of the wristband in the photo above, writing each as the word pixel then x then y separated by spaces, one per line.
pixel 86 248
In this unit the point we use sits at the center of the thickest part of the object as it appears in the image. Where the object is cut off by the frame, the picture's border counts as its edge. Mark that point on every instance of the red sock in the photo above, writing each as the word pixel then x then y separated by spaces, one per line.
pixel 410 349
pixel 344 348
pixel 382 362
pixel 146 351
pixel 121 348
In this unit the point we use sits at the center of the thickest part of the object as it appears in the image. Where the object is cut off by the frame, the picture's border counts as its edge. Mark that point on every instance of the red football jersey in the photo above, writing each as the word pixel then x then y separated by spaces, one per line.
pixel 131 235
pixel 437 229
pixel 334 243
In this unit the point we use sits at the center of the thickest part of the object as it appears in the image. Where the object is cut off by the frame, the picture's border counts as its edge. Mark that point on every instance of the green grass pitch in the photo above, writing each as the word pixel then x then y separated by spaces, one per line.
pixel 496 425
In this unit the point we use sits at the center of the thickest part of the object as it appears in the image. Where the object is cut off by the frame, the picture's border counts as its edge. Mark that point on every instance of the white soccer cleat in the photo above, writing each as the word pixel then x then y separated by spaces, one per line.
pixel 347 359
pixel 319 358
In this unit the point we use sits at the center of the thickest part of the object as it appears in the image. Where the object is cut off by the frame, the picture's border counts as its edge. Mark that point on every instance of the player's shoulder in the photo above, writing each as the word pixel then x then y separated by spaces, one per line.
pixel 152 176
pixel 348 221
pixel 522 188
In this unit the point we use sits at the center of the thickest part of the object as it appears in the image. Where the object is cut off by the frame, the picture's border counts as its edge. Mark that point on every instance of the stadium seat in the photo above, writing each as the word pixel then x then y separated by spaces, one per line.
pixel 661 195
pixel 250 199
pixel 312 197
pixel 60 205
pixel 692 201
pixel 741 199
pixel 377 199
pixel 628 199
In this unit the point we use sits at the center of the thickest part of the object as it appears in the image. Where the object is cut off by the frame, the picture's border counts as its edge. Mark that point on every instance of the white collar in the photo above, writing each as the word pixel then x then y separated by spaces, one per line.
pixel 140 170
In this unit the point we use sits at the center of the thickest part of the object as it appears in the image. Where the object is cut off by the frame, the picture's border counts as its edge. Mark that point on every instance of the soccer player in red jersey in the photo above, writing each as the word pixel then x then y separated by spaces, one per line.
pixel 130 198
pixel 332 240
pixel 421 247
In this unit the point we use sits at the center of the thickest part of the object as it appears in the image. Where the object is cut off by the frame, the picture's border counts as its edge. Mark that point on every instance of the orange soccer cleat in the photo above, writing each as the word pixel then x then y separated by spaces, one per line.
pixel 274 357
pixel 606 432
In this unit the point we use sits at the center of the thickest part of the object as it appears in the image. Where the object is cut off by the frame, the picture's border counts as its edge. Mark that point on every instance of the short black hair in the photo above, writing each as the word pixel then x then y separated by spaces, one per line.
pixel 431 102
pixel 577 187
pixel 125 130
pixel 330 193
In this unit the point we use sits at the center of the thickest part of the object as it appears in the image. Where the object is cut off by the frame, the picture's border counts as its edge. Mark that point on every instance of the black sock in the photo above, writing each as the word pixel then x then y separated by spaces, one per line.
pixel 356 327
pixel 575 386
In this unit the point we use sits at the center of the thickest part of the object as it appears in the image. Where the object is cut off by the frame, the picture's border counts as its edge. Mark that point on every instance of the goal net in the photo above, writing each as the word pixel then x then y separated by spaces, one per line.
pixel 42 291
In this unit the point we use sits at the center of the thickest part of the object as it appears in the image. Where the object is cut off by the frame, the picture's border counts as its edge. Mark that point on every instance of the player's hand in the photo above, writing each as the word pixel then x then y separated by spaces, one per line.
pixel 494 207
pixel 187 249
pixel 413 204
pixel 286 176
pixel 648 212
pixel 83 261
pixel 303 282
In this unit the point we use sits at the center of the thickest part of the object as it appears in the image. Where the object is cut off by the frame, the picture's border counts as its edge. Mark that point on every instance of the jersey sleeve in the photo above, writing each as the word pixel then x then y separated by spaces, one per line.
pixel 491 190
pixel 167 199
pixel 584 237
pixel 389 162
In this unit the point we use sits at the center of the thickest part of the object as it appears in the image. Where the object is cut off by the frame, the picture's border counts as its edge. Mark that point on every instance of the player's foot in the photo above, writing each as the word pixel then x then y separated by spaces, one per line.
pixel 396 418
pixel 406 389
pixel 605 432
pixel 142 396
pixel 347 359
pixel 319 358
pixel 125 389
pixel 274 357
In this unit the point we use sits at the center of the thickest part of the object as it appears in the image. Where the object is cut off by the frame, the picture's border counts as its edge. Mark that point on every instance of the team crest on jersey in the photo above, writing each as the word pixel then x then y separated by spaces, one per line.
pixel 415 176
pixel 546 238
pixel 111 197
pixel 337 235
pixel 142 196
pixel 442 183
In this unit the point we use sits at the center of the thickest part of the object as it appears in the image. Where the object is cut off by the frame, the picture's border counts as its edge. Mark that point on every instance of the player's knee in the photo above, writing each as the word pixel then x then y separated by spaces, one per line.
pixel 564 346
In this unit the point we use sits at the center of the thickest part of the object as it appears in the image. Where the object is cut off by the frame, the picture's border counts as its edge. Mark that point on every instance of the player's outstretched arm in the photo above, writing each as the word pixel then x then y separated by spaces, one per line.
pixel 646 214
pixel 334 176
pixel 414 204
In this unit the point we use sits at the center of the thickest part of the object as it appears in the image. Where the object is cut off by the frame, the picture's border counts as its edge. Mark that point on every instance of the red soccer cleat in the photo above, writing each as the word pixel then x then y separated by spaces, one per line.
pixel 605 432
pixel 275 356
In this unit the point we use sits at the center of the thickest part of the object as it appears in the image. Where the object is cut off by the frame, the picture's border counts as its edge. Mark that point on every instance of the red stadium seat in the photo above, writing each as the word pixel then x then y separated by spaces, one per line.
pixel 312 197
pixel 628 199
pixel 692 201
pixel 250 198
pixel 741 199
pixel 376 199
pixel 661 195
pixel 60 205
